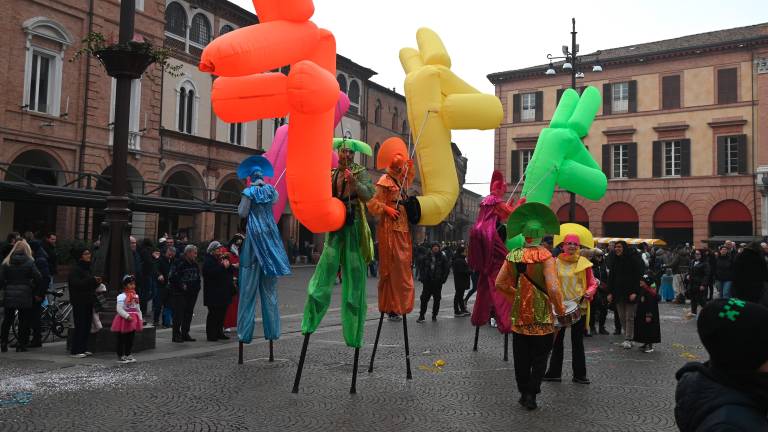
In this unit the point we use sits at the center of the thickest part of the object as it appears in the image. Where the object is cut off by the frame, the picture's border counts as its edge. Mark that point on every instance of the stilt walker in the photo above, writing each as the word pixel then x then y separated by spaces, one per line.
pixel 352 247
pixel 396 292
pixel 262 258
pixel 487 253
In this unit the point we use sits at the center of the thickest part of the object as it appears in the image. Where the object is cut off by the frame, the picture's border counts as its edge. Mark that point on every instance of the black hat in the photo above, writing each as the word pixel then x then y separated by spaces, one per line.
pixel 735 333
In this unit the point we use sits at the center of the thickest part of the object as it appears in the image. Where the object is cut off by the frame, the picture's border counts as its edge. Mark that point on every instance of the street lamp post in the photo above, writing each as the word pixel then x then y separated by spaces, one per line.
pixel 571 62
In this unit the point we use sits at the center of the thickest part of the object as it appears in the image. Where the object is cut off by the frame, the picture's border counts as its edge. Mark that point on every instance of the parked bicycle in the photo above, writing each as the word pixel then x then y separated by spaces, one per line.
pixel 54 317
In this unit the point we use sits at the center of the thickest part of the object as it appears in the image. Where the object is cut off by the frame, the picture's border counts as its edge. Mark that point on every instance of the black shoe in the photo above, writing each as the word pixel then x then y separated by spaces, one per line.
pixel 530 402
pixel 551 378
pixel 434 317
pixel 523 400
pixel 21 349
pixel 188 338
pixel 177 339
pixel 603 331
pixel 420 320
pixel 581 380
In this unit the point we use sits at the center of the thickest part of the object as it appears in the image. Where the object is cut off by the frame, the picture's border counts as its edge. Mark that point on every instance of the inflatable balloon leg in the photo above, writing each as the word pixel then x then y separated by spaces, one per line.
pixel 278 155
pixel 560 158
pixel 439 101
pixel 246 90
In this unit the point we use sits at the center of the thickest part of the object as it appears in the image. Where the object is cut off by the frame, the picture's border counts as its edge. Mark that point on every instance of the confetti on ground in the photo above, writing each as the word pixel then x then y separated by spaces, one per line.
pixel 70 380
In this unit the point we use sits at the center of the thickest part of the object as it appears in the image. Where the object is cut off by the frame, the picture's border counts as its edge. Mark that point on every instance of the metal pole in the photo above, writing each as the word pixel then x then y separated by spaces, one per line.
pixel 271 351
pixel 376 343
pixel 353 388
pixel 477 334
pixel 506 346
pixel 240 353
pixel 572 206
pixel 301 364
pixel 408 374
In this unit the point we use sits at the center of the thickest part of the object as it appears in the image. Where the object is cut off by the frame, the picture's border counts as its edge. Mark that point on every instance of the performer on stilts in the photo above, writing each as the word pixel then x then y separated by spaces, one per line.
pixel 487 253
pixel 262 257
pixel 352 247
pixel 396 292
pixel 529 277
pixel 579 285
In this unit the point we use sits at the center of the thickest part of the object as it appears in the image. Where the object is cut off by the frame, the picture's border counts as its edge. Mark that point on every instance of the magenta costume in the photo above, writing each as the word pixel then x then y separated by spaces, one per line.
pixel 487 253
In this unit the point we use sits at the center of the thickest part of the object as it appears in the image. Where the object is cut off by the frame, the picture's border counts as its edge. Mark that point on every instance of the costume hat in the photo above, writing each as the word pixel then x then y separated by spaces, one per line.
pixel 390 148
pixel 352 144
pixel 585 237
pixel 253 164
pixel 533 220
pixel 734 333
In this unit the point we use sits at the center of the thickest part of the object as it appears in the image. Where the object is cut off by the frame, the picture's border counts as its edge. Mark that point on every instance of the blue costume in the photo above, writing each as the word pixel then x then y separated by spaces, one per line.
pixel 262 258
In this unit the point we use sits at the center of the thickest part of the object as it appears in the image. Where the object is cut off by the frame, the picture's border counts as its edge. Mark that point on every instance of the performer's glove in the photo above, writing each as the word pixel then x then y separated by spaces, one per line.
pixel 392 213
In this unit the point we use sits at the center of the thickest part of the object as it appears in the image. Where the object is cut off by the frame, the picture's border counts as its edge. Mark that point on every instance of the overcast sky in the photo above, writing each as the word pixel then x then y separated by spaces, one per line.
pixel 485 36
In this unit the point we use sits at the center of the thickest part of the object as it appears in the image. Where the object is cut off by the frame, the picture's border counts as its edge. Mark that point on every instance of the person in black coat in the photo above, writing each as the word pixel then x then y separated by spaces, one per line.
pixel 623 284
pixel 164 268
pixel 218 289
pixel 21 281
pixel 600 301
pixel 461 278
pixel 647 325
pixel 433 272
pixel 723 272
pixel 185 287
pixel 750 274
pixel 698 278
pixel 730 391
pixel 43 266
pixel 82 293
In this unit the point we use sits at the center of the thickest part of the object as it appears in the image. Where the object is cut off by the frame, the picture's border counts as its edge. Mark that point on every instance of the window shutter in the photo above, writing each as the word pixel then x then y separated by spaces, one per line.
pixel 559 95
pixel 633 96
pixel 742 149
pixel 657 158
pixel 539 105
pixel 685 158
pixel 515 171
pixel 632 168
pixel 722 157
pixel 726 86
pixel 670 92
pixel 607 161
pixel 607 99
pixel 516 108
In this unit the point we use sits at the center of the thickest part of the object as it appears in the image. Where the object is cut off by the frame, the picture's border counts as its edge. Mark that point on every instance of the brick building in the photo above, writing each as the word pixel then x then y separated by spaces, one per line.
pixel 681 135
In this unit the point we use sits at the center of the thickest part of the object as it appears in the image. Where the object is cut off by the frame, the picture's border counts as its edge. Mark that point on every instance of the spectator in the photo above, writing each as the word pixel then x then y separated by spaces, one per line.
pixel 82 289
pixel 600 303
pixel 42 264
pixel 147 284
pixel 679 265
pixel 647 325
pixel 164 267
pixel 217 289
pixel 21 281
pixel 9 241
pixel 185 287
pixel 137 271
pixel 624 283
pixel 727 393
pixel 49 245
pixel 461 277
pixel 235 246
pixel 724 272
pixel 433 273
pixel 750 274
pixel 698 276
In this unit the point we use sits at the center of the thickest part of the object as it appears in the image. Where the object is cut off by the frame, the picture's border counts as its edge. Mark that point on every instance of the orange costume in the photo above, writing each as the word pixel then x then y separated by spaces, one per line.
pixel 392 232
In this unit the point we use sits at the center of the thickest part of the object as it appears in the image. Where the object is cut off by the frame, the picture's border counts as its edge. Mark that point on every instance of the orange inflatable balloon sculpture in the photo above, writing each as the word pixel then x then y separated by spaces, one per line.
pixel 246 90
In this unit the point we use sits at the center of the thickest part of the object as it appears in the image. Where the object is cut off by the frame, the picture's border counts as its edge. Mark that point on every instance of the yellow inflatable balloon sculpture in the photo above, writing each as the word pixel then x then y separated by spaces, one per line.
pixel 439 101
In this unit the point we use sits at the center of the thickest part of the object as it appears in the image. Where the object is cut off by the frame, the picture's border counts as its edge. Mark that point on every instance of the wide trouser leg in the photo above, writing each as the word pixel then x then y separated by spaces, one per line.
pixel 189 311
pixel 577 348
pixel 82 316
pixel 556 362
pixel 522 356
pixel 210 324
pixel 437 291
pixel 353 299
pixel 540 348
pixel 321 283
pixel 178 309
pixel 270 311
pixel 426 294
pixel 627 315
pixel 25 319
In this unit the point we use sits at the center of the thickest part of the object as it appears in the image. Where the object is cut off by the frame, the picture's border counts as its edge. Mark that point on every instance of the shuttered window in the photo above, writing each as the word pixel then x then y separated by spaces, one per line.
pixel 732 154
pixel 726 86
pixel 670 92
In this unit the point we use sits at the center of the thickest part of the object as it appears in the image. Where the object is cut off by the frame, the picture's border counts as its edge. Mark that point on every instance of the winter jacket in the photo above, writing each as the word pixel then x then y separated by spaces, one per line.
pixel 749 276
pixel 43 266
pixel 53 260
pixel 184 276
pixel 698 273
pixel 624 276
pixel 218 286
pixel 724 268
pixel 461 273
pixel 20 280
pixel 82 284
pixel 680 263
pixel 709 401
pixel 434 268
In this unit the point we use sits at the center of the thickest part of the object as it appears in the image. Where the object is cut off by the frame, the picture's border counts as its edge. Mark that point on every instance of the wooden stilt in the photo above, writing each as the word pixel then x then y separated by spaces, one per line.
pixel 240 353
pixel 407 350
pixel 506 346
pixel 376 343
pixel 477 335
pixel 353 388
pixel 301 364
pixel 271 351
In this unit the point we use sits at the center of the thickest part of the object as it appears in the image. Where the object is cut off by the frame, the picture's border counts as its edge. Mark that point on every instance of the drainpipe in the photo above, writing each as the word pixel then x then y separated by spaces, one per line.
pixel 754 163
pixel 84 132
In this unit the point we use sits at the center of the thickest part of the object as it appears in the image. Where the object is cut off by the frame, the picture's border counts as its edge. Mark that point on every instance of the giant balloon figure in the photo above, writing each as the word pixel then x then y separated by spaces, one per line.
pixel 560 158
pixel 246 90
pixel 278 154
pixel 439 101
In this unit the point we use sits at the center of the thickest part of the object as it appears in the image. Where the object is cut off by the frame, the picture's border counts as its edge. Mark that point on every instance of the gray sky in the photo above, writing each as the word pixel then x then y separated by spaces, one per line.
pixel 490 36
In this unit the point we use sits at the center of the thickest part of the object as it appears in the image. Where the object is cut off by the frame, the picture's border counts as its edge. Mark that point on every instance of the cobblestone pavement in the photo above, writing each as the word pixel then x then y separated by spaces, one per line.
pixel 200 386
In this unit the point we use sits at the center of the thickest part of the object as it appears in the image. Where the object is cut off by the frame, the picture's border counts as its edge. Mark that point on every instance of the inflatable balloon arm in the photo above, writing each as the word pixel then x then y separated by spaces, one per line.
pixel 246 90
pixel 439 101
pixel 560 158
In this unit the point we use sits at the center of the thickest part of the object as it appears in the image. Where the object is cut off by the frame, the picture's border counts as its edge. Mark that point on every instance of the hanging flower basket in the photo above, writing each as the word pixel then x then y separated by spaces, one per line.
pixel 126 60
pixel 123 63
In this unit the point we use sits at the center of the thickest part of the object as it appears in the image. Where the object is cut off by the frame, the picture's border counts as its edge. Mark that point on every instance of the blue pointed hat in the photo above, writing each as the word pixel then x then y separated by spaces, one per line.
pixel 253 164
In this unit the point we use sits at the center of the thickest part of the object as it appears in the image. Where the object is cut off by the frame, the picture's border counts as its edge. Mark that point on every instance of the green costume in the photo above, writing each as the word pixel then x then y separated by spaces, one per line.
pixel 352 247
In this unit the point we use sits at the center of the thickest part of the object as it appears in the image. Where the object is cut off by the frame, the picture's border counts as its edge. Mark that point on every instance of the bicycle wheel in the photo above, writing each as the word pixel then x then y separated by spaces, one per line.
pixel 45 326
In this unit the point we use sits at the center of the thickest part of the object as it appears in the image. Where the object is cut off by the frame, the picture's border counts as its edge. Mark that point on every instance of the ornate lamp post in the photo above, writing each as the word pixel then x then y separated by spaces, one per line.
pixel 571 65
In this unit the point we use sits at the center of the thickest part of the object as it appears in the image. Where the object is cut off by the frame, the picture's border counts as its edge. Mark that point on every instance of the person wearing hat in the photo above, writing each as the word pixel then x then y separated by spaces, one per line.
pixel 392 232
pixel 529 279
pixel 578 284
pixel 262 257
pixel 218 288
pixel 730 391
pixel 351 247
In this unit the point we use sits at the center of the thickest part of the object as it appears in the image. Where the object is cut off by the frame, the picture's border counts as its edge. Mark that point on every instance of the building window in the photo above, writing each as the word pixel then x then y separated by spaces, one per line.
pixel 236 133
pixel 342 82
pixel 225 29
pixel 46 42
pixel 354 96
pixel 200 30
pixel 176 20
pixel 525 159
pixel 731 155
pixel 528 108
pixel 40 80
pixel 395 120
pixel 727 83
pixel 186 108
pixel 672 158
pixel 670 92
pixel 620 159
pixel 620 93
pixel 377 113
pixel 134 126
pixel 405 127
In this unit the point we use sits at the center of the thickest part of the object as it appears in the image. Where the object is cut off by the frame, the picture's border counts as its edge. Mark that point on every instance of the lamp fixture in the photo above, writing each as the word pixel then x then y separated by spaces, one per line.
pixel 579 74
pixel 550 70
pixel 567 65
pixel 597 68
